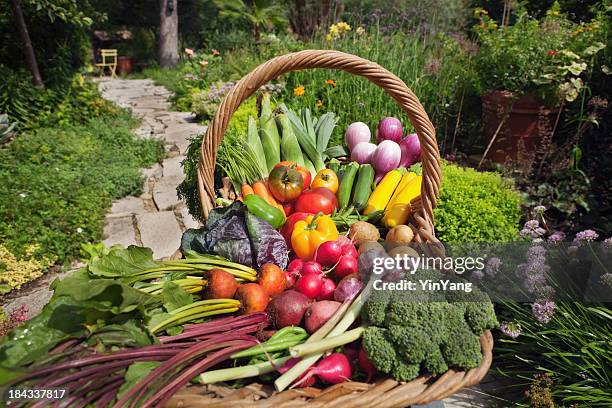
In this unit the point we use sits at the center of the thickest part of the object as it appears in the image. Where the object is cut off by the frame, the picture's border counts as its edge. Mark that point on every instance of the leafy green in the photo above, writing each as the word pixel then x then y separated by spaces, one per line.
pixel 128 334
pixel 175 296
pixel 122 262
pixel 136 372
pixel 79 306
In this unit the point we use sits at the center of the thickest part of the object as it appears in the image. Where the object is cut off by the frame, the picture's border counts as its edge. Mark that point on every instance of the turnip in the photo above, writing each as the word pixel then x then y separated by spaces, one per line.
pixel 318 313
pixel 288 308
pixel 333 369
pixel 348 288
pixel 345 266
pixel 328 253
pixel 310 285
pixel 327 290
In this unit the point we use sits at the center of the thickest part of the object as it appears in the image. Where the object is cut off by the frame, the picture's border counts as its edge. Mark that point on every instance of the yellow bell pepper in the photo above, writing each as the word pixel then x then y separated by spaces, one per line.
pixel 382 193
pixel 308 234
pixel 398 210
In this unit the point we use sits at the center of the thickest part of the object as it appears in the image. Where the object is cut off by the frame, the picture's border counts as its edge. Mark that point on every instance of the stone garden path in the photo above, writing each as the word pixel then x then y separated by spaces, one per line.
pixel 156 218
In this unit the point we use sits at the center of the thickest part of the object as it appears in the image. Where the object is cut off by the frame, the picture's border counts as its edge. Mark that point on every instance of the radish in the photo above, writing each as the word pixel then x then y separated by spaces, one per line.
pixel 343 240
pixel 349 249
pixel 318 313
pixel 311 267
pixel 295 265
pixel 290 278
pixel 328 253
pixel 310 285
pixel 309 382
pixel 327 290
pixel 345 266
pixel 333 369
pixel 348 288
pixel 366 365
pixel 288 308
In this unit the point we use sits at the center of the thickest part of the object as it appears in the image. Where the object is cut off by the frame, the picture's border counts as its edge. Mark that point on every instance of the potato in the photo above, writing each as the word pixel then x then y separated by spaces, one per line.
pixel 402 234
pixel 367 245
pixel 363 231
pixel 403 250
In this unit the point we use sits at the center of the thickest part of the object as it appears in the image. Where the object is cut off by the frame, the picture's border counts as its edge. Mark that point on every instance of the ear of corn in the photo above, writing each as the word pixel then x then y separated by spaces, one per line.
pixel 290 147
pixel 270 139
pixel 399 208
pixel 254 144
pixel 382 193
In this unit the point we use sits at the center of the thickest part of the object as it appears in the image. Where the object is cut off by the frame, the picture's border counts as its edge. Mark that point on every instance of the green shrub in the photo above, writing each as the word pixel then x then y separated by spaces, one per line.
pixel 476 207
pixel 57 184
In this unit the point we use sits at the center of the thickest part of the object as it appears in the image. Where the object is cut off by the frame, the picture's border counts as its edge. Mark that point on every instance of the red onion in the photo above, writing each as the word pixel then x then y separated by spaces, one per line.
pixel 389 129
pixel 411 150
pixel 362 153
pixel 386 157
pixel 357 132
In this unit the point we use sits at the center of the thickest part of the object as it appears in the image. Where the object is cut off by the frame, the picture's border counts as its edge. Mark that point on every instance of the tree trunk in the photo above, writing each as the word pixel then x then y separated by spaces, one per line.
pixel 27 44
pixel 168 33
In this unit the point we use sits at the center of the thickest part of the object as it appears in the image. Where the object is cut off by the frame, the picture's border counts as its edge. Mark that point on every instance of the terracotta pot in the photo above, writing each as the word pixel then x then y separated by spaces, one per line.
pixel 523 128
pixel 124 65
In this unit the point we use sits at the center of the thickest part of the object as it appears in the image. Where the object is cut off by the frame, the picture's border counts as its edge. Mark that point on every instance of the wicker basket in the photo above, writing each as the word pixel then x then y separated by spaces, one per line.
pixel 387 392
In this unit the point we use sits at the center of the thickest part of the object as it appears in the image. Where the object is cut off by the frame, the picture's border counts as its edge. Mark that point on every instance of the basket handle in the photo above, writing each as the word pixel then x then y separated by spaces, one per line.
pixel 353 64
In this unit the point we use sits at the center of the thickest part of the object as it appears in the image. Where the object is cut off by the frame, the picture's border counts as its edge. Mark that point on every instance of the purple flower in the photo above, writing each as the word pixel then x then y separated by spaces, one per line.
pixel 536 251
pixel 532 229
pixel 511 329
pixel 543 310
pixel 607 243
pixel 585 236
pixel 493 266
pixel 477 274
pixel 556 237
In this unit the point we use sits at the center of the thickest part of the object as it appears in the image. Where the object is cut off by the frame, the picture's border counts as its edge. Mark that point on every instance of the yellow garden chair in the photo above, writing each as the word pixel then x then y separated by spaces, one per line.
pixel 109 59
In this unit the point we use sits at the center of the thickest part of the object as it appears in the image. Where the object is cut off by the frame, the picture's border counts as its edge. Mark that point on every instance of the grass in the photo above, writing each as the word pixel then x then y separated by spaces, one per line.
pixel 58 183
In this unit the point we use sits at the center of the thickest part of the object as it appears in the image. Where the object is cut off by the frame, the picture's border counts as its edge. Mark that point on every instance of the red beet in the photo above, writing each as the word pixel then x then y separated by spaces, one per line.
pixel 318 313
pixel 288 308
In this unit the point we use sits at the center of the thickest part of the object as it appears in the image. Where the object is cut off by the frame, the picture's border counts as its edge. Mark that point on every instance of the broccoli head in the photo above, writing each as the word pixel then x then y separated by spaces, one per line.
pixel 462 349
pixel 379 349
pixel 409 332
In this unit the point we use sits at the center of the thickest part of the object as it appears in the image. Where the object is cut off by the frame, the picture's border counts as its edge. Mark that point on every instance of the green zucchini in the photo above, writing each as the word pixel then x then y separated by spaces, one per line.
pixel 346 185
pixel 363 186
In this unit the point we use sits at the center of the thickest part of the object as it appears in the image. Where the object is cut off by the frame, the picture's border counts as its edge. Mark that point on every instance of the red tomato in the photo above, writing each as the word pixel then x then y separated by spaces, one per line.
pixel 303 171
pixel 287 228
pixel 288 208
pixel 315 200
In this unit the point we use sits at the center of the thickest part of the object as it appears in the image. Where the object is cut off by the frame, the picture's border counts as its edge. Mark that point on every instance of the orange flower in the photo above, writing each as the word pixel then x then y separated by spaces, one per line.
pixel 552 53
pixel 330 82
pixel 319 103
pixel 203 63
pixel 299 91
pixel 215 52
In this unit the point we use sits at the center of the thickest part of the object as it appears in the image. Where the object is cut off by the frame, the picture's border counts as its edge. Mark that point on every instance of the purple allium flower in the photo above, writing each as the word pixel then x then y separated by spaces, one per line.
pixel 585 236
pixel 511 329
pixel 532 229
pixel 543 310
pixel 540 209
pixel 477 274
pixel 607 243
pixel 492 266
pixel 556 237
pixel 536 251
pixel 13 319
